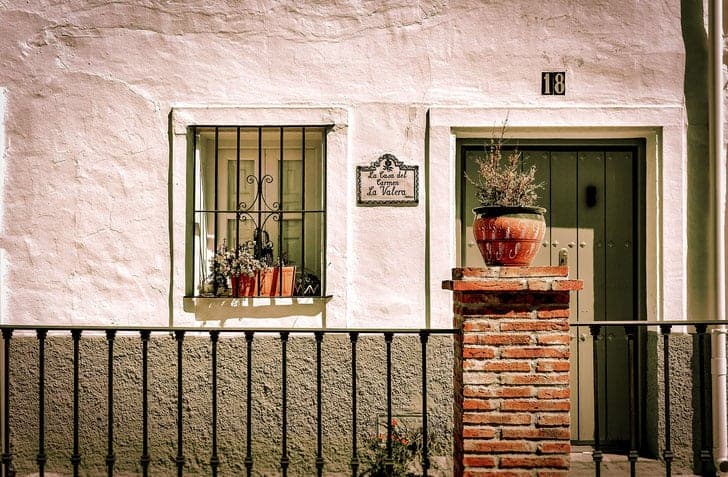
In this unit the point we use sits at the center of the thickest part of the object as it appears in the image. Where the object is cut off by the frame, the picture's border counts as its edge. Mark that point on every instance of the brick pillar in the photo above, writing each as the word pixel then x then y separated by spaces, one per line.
pixel 511 373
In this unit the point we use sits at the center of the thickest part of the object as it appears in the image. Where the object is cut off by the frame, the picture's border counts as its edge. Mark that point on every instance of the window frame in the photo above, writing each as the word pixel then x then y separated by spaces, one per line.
pixel 259 206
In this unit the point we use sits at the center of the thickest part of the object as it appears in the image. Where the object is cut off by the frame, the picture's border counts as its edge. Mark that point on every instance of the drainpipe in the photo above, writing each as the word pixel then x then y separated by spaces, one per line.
pixel 718 358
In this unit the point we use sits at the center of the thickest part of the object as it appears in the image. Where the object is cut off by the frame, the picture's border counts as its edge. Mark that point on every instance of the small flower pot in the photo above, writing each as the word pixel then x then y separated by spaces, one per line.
pixel 509 236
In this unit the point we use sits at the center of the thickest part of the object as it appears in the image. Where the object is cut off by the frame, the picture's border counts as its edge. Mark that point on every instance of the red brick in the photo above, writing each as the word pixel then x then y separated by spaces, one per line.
pixel 478 432
pixel 560 419
pixel 494 312
pixel 539 284
pixel 552 473
pixel 550 433
pixel 553 393
pixel 511 418
pixel 480 446
pixel 507 366
pixel 549 365
pixel 503 339
pixel 534 326
pixel 480 404
pixel 477 325
pixel 496 473
pixel 508 272
pixel 498 391
pixel 556 338
pixel 554 447
pixel 536 352
pixel 485 285
pixel 535 379
pixel 479 461
pixel 478 377
pixel 471 351
pixel 535 461
pixel 560 285
pixel 534 405
pixel 548 313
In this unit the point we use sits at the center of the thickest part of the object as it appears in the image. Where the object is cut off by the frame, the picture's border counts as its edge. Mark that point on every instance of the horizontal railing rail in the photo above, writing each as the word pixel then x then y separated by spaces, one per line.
pixel 666 329
pixel 145 333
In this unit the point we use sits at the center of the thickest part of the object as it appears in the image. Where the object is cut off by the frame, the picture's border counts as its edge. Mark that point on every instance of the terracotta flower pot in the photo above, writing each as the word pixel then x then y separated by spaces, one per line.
pixel 509 236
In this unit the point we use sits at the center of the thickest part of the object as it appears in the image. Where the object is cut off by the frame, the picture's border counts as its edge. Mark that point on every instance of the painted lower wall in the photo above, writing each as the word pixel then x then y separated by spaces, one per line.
pixel 232 376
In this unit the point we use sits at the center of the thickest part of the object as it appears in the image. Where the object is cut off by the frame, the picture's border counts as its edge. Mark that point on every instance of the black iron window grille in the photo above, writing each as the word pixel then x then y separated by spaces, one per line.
pixel 259 202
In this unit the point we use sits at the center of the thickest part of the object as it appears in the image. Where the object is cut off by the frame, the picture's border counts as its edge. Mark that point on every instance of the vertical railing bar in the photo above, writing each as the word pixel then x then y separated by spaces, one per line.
pixel 324 238
pixel 631 332
pixel 110 458
pixel 215 241
pixel 597 452
pixel 284 403
pixel 214 460
pixel 237 191
pixel 389 463
pixel 319 434
pixel 354 336
pixel 667 453
pixel 303 198
pixel 145 458
pixel 41 458
pixel 280 216
pixel 76 456
pixel 248 403
pixel 259 199
pixel 7 458
pixel 705 454
pixel 179 336
pixel 424 336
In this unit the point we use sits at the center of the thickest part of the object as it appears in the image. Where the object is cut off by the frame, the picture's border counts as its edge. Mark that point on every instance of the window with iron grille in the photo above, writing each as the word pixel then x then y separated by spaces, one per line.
pixel 259 192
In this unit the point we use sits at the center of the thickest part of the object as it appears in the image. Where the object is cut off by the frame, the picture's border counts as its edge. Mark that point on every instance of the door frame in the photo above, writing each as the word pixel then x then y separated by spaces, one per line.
pixel 638 148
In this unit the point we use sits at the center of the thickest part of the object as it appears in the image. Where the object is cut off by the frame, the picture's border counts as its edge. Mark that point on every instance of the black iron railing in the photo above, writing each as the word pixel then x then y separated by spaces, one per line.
pixel 631 328
pixel 179 334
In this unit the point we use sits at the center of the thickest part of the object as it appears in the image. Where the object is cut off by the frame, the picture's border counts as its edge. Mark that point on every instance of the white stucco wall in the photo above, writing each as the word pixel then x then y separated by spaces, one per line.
pixel 93 194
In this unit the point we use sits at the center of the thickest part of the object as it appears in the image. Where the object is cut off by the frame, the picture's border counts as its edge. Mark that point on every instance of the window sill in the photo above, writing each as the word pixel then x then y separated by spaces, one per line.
pixel 263 306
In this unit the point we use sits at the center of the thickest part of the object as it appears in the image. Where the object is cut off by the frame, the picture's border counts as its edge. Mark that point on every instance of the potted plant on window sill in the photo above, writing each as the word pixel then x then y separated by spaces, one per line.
pixel 249 276
pixel 508 225
pixel 240 266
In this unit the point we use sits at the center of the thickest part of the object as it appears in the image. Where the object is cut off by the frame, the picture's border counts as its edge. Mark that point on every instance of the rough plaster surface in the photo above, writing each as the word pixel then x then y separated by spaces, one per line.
pixel 89 87
pixel 684 398
pixel 232 369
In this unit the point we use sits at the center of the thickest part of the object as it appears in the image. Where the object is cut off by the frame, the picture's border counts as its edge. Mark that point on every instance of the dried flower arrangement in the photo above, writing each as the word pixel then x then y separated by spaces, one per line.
pixel 233 262
pixel 503 182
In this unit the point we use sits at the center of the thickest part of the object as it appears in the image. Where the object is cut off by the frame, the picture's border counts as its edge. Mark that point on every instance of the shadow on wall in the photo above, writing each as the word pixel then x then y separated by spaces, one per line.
pixel 700 186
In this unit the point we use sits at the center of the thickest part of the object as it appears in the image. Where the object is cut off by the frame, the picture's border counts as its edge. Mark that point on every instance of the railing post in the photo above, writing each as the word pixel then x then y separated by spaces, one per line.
pixel 179 336
pixel 319 424
pixel 110 457
pixel 631 332
pixel 388 462
pixel 667 454
pixel 511 370
pixel 354 336
pixel 145 458
pixel 76 456
pixel 41 459
pixel 597 452
pixel 214 459
pixel 7 456
pixel 249 404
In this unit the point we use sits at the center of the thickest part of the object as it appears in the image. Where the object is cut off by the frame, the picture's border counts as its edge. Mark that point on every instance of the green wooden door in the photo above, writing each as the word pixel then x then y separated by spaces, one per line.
pixel 591 194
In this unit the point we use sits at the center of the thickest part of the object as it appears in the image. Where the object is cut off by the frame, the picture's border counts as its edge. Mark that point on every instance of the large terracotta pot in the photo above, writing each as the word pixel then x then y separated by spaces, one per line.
pixel 509 236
